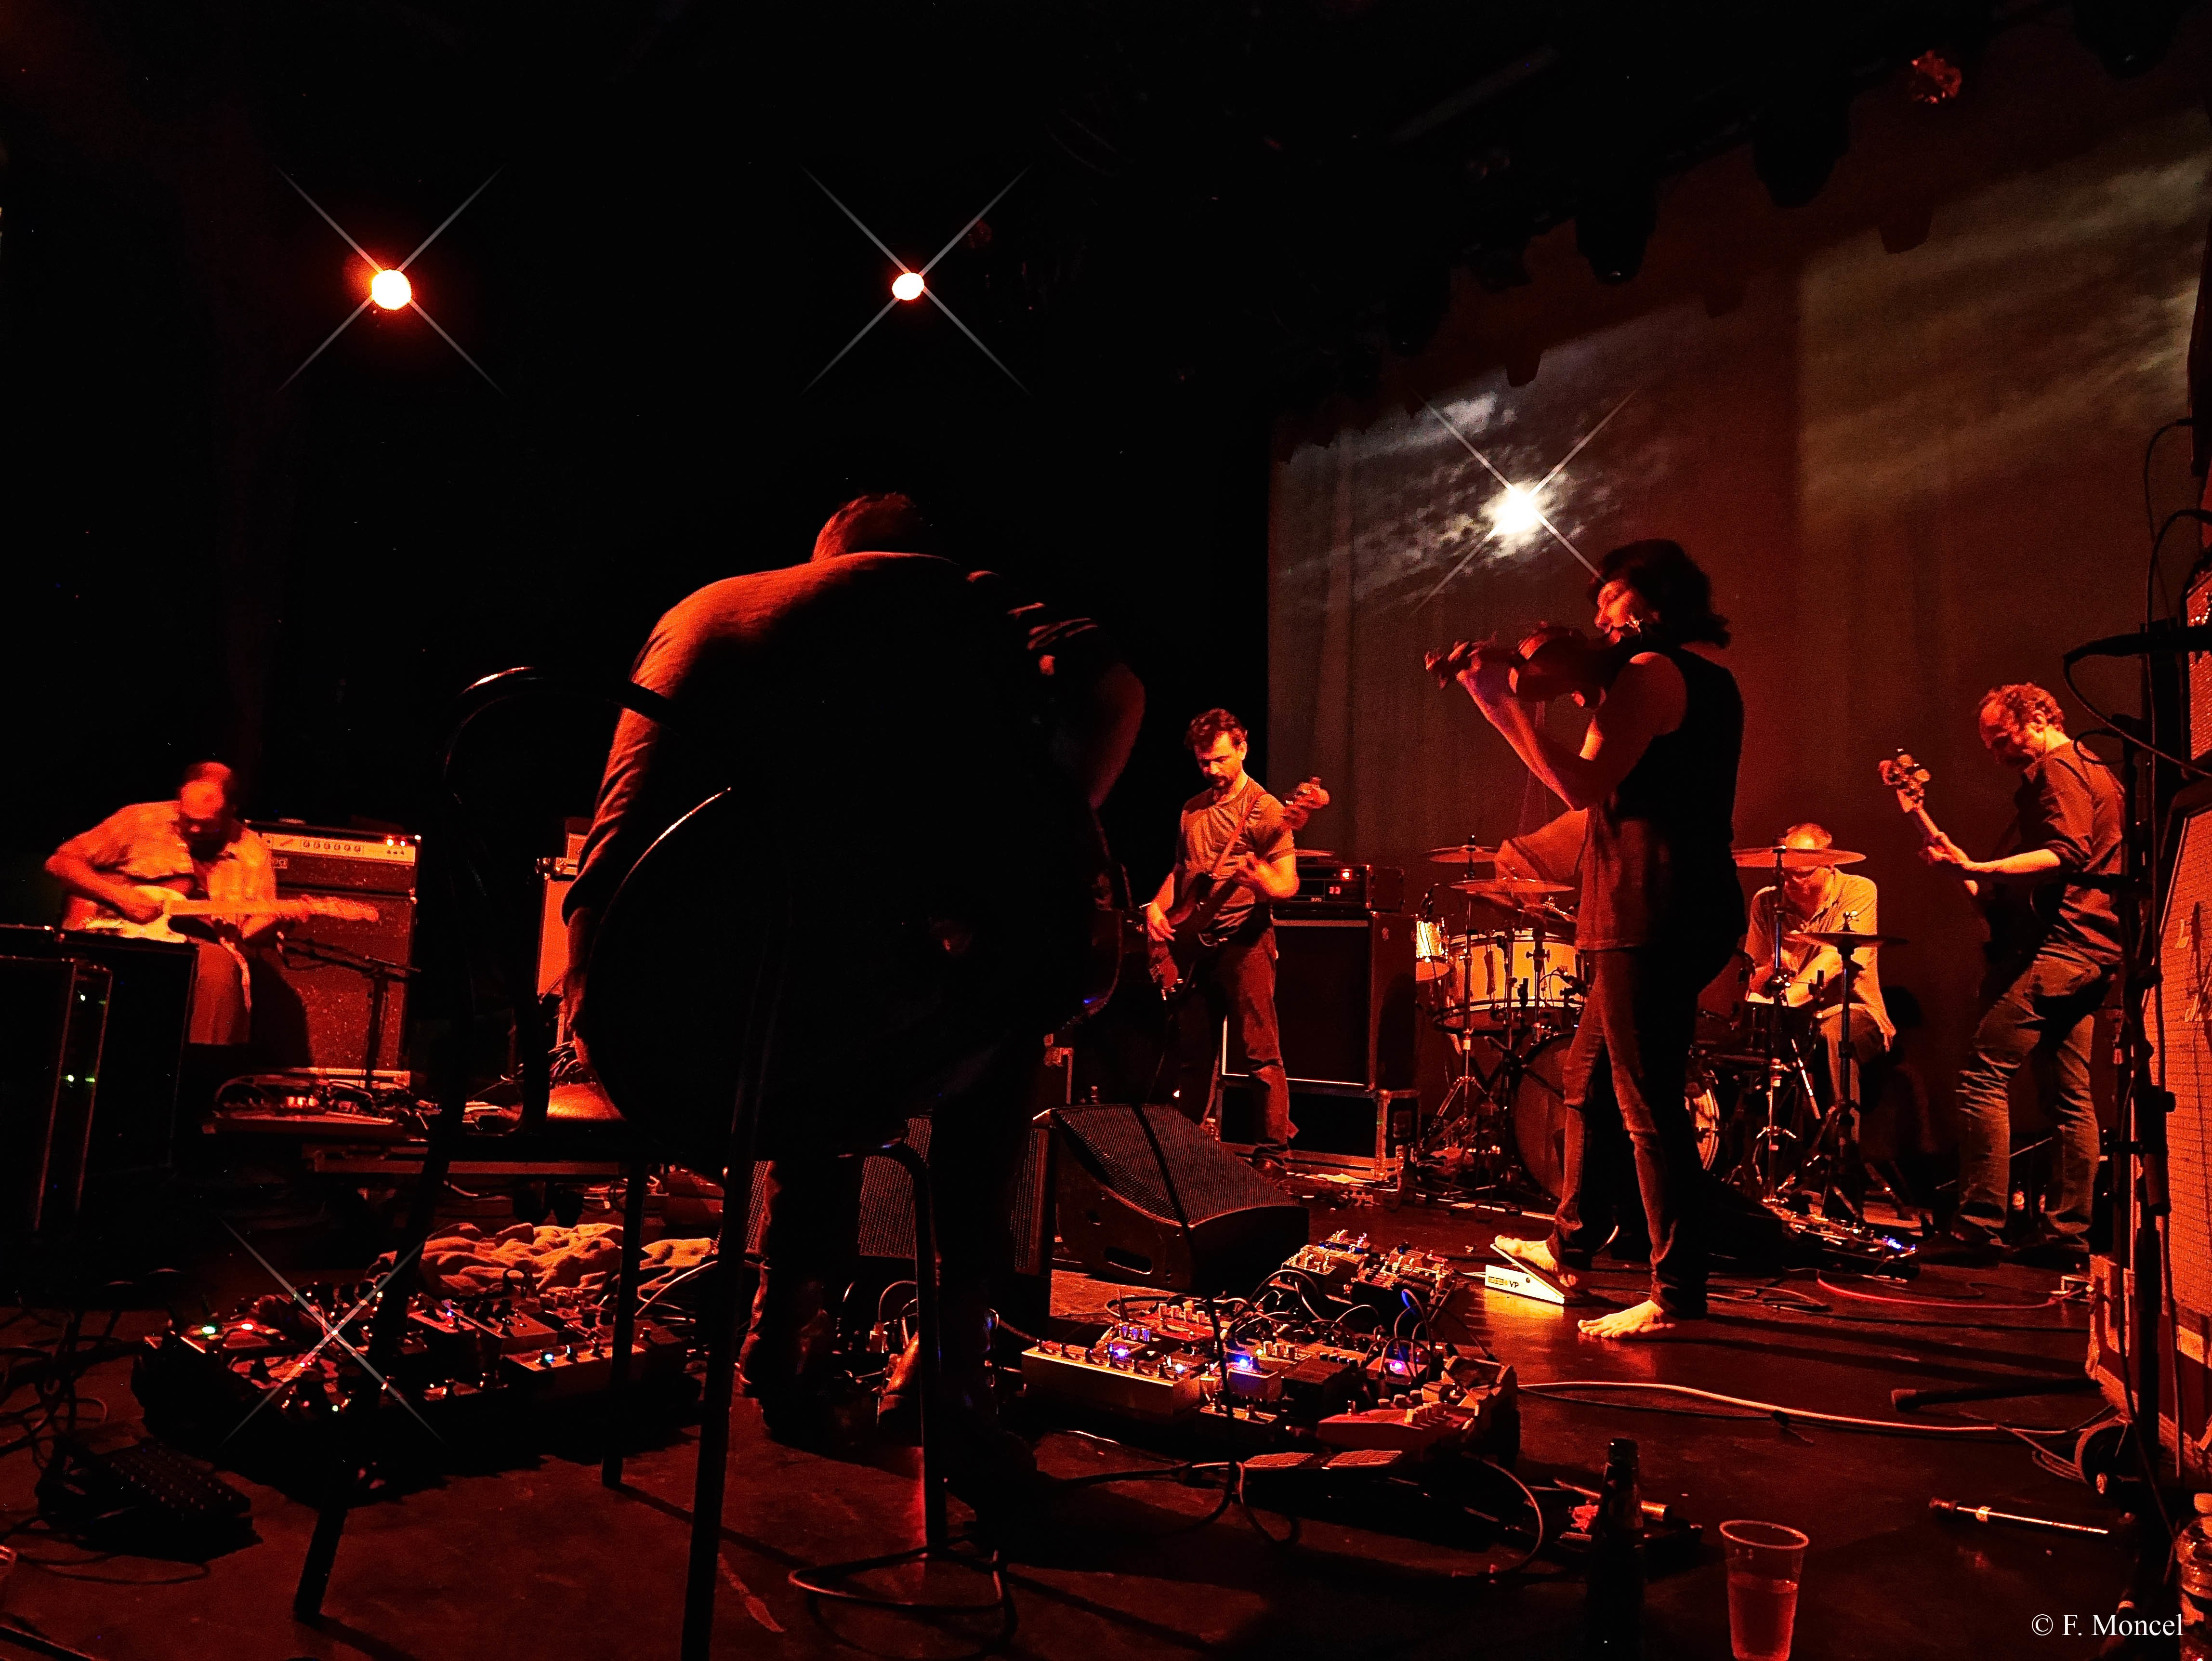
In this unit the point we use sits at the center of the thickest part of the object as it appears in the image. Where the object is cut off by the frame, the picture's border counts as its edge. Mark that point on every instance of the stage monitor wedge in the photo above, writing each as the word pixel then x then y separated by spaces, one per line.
pixel 1117 1218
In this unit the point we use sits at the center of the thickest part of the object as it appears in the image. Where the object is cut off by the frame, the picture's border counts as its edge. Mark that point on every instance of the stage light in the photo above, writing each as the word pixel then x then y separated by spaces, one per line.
pixel 391 290
pixel 907 285
pixel 1612 224
pixel 1516 512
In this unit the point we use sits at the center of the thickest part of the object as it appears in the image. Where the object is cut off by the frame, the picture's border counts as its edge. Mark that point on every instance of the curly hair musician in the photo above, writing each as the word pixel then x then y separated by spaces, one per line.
pixel 1661 909
pixel 2054 945
pixel 1233 839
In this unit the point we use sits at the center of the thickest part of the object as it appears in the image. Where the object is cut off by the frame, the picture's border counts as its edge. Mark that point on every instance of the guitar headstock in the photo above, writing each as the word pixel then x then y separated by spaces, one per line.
pixel 1908 778
pixel 1306 801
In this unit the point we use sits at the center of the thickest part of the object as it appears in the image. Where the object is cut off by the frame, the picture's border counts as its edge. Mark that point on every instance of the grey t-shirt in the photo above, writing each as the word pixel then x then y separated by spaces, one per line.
pixel 1253 820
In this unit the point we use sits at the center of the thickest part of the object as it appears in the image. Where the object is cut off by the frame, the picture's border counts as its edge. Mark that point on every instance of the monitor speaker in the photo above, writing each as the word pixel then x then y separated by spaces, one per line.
pixel 1344 1002
pixel 1117 1218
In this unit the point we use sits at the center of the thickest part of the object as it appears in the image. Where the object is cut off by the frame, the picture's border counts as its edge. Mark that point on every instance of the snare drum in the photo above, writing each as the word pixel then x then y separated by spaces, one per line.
pixel 1489 979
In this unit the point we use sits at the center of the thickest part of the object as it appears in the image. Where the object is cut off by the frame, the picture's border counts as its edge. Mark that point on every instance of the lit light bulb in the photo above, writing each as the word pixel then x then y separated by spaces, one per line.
pixel 391 290
pixel 1516 511
pixel 907 285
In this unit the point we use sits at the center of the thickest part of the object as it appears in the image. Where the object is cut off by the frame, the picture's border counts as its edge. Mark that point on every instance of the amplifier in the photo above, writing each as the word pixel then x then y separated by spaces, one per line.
pixel 326 1014
pixel 308 857
pixel 149 1013
pixel 1329 886
pixel 554 876
pixel 1344 1002
pixel 53 1016
pixel 2197 606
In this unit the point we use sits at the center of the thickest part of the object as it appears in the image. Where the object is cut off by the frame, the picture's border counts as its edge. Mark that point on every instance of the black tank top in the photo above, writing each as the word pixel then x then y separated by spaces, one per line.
pixel 1657 869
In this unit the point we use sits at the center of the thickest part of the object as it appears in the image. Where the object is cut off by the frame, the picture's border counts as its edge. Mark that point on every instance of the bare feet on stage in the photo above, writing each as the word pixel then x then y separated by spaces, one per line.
pixel 1645 1320
pixel 1537 1254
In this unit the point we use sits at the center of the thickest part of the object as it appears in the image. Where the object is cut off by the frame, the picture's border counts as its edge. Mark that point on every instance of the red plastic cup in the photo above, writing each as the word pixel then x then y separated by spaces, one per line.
pixel 1765 1562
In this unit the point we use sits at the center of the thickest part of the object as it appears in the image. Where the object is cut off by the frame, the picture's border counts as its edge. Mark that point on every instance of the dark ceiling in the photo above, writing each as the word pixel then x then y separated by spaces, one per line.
pixel 1217 213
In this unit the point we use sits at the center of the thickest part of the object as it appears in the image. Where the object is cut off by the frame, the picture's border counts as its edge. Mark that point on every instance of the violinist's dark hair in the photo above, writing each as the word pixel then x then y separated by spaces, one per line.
pixel 1671 583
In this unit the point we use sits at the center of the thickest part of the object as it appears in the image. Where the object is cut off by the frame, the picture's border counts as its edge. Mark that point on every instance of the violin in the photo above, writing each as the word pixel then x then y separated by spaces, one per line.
pixel 1552 660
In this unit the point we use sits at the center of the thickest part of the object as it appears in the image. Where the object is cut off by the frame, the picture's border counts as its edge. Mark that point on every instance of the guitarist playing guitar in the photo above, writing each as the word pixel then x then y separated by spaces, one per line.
pixel 1212 929
pixel 2051 963
pixel 194 845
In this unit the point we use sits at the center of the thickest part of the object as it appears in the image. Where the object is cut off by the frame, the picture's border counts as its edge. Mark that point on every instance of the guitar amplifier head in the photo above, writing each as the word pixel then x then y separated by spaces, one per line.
pixel 307 856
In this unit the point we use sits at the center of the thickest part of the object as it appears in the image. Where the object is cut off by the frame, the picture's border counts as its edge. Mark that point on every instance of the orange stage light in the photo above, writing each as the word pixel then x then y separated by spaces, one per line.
pixel 907 285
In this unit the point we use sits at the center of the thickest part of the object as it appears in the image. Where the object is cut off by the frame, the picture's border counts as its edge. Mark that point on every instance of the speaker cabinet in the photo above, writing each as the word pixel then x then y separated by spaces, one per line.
pixel 53 1016
pixel 316 1014
pixel 149 1011
pixel 1117 1217
pixel 1344 1002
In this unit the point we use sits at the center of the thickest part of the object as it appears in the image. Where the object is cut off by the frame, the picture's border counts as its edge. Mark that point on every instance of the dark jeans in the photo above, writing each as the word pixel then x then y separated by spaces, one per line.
pixel 976 1139
pixel 1239 986
pixel 2045 1015
pixel 1625 1085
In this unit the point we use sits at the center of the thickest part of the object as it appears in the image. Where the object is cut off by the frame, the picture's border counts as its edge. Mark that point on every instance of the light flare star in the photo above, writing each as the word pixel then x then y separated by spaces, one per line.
pixel 1520 507
pixel 389 286
pixel 332 1334
pixel 912 283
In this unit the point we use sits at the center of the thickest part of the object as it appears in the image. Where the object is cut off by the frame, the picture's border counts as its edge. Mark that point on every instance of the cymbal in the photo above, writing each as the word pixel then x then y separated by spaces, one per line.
pixel 1794 859
pixel 1464 853
pixel 1511 891
pixel 1840 938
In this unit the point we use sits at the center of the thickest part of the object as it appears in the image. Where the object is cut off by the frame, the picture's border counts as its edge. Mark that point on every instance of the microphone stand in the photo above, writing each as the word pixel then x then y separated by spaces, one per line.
pixel 381 972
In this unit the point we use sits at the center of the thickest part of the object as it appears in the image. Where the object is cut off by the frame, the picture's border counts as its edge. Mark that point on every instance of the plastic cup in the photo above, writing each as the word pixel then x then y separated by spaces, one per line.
pixel 1765 1562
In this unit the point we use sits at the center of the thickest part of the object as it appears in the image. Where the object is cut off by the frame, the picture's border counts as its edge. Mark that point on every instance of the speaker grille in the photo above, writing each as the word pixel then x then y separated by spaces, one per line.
pixel 2198 602
pixel 1210 1182
pixel 2184 1036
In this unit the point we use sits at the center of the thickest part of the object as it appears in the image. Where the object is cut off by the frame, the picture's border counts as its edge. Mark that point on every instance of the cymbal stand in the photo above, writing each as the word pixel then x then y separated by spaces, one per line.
pixel 1767 1157
pixel 1837 1139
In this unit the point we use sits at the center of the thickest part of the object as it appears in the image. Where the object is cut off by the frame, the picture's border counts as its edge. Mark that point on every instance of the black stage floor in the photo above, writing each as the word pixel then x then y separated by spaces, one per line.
pixel 543 1563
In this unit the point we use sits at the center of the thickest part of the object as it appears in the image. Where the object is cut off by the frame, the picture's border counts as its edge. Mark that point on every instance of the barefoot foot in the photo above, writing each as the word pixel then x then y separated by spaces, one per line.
pixel 1537 1254
pixel 1645 1320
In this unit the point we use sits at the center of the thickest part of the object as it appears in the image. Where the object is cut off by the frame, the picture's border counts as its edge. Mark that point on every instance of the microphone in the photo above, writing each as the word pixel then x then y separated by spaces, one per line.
pixel 2159 639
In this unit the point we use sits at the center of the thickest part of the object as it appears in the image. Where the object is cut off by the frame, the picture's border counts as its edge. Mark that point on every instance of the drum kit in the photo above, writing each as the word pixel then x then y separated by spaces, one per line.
pixel 1504 985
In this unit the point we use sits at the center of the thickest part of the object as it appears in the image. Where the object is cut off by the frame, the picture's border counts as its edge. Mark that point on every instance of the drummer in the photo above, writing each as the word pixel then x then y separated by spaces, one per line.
pixel 1817 898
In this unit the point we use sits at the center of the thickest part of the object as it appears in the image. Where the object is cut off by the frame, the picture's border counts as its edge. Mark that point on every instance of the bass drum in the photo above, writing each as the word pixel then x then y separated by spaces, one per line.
pixel 1540 1111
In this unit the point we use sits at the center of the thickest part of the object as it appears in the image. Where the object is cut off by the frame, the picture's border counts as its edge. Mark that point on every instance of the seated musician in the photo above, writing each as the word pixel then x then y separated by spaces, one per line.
pixel 1822 898
pixel 938 894
pixel 197 846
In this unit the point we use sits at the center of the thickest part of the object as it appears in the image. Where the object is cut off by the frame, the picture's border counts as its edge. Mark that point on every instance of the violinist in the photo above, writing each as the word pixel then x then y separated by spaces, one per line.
pixel 1661 909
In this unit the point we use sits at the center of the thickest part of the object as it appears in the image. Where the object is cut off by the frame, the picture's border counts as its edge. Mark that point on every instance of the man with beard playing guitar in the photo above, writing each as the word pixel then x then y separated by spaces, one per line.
pixel 1233 855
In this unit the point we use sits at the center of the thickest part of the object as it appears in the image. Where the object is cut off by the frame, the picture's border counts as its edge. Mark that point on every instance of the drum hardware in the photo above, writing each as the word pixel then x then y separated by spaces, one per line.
pixel 1467 852
pixel 1837 1131
pixel 1512 892
pixel 1782 858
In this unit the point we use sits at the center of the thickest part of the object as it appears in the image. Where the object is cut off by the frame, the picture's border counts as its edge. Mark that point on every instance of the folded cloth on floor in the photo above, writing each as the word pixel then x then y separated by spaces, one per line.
pixel 461 1259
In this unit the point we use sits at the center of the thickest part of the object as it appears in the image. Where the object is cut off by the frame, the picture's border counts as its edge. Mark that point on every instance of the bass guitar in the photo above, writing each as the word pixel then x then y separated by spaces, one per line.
pixel 174 905
pixel 2006 911
pixel 1175 962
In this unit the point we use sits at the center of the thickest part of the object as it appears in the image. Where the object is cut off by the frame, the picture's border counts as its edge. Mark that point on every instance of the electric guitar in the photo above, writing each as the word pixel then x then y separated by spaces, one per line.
pixel 2006 911
pixel 1174 963
pixel 107 921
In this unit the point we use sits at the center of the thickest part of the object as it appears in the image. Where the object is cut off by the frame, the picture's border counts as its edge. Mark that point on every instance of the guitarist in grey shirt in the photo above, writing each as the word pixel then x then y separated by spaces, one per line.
pixel 1233 855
